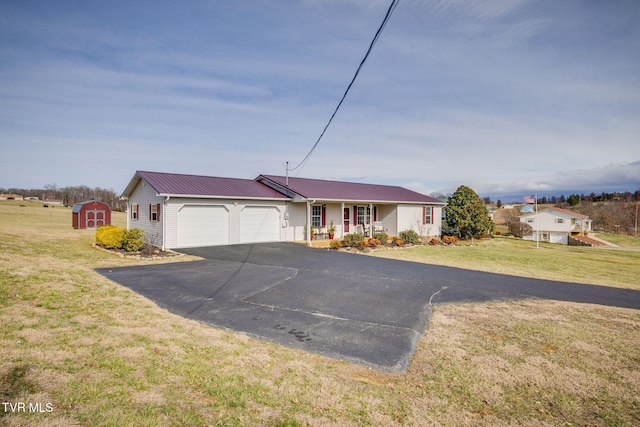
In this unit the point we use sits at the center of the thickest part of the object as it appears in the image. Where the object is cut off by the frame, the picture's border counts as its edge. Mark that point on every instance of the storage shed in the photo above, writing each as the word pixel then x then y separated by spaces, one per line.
pixel 91 214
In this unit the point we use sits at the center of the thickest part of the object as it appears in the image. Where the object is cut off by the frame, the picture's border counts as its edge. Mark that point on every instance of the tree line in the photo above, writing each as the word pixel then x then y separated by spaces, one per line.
pixel 576 199
pixel 69 196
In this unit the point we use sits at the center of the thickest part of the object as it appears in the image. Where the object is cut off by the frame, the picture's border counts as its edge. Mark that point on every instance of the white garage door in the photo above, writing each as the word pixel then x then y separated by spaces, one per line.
pixel 558 238
pixel 200 225
pixel 259 224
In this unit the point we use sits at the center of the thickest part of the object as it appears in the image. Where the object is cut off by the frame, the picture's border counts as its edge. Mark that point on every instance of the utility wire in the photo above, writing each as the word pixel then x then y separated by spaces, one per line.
pixel 392 7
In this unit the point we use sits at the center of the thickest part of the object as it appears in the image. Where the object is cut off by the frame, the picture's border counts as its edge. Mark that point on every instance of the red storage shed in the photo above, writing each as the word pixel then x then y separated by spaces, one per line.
pixel 91 214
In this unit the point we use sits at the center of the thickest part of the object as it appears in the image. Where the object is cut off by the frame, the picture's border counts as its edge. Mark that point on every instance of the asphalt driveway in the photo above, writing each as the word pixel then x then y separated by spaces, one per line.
pixel 366 310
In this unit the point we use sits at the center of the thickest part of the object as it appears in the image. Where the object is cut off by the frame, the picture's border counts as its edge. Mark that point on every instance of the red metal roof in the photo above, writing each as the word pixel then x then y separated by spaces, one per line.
pixel 267 186
pixel 579 215
pixel 197 185
pixel 319 189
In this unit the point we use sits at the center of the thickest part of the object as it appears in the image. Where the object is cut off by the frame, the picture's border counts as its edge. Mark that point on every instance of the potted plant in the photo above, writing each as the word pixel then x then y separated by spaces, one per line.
pixel 331 230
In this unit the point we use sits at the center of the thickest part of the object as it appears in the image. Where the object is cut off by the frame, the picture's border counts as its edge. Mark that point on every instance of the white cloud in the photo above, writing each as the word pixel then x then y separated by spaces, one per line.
pixel 612 177
pixel 496 94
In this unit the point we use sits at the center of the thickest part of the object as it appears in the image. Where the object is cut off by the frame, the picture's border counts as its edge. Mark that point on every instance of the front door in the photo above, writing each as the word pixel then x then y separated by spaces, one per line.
pixel 345 220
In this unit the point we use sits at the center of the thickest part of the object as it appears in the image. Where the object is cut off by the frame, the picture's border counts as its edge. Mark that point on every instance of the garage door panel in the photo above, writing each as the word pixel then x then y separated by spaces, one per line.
pixel 202 225
pixel 259 224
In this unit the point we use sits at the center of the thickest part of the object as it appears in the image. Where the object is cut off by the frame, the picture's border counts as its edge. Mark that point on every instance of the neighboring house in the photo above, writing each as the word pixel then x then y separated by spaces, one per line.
pixel 555 225
pixel 178 211
pixel 5 196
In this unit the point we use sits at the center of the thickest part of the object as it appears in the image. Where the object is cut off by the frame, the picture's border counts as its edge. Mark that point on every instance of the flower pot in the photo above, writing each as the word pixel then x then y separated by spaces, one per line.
pixel 331 236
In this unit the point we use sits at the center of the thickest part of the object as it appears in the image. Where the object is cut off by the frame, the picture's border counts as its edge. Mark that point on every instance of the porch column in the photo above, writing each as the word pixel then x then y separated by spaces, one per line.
pixel 308 226
pixel 342 219
pixel 370 219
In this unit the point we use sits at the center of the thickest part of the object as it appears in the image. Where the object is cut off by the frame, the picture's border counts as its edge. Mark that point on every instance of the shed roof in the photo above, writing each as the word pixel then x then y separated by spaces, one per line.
pixel 78 206
pixel 171 184
pixel 319 189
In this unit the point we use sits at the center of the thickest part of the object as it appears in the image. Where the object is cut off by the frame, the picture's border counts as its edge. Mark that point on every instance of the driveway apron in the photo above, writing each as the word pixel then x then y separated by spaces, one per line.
pixel 366 310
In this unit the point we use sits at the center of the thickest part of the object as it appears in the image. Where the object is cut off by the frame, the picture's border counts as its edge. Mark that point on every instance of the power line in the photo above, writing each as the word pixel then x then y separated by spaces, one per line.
pixel 392 7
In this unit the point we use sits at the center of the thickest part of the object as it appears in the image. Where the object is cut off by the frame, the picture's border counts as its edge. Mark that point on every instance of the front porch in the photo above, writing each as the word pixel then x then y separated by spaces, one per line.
pixel 317 218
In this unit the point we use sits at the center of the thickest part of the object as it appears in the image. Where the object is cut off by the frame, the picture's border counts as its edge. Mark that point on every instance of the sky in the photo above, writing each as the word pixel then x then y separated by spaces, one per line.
pixel 503 96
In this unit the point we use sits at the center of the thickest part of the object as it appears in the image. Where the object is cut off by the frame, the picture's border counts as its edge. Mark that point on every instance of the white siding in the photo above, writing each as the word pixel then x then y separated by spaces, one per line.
pixel 144 196
pixel 297 213
pixel 547 221
pixel 556 222
pixel 387 214
pixel 410 218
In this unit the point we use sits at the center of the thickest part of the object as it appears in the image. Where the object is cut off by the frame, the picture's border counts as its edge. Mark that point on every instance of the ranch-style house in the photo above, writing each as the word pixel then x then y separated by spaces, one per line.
pixel 180 211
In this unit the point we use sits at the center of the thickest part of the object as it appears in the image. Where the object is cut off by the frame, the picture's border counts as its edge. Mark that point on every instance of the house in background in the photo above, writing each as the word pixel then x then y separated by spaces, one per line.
pixel 7 196
pixel 179 211
pixel 556 225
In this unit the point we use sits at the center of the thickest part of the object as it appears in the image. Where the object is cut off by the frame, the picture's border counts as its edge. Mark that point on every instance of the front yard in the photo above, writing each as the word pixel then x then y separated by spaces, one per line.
pixel 95 353
pixel 504 255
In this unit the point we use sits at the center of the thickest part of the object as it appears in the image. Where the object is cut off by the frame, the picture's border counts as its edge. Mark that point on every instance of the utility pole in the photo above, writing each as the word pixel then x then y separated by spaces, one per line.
pixel 537 225
pixel 635 233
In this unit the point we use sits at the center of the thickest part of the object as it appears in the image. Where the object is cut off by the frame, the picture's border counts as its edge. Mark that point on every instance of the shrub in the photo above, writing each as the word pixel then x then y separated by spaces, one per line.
pixel 375 242
pixel 433 241
pixel 397 241
pixel 352 239
pixel 449 240
pixel 450 231
pixel 383 237
pixel 520 229
pixel 109 237
pixel 336 244
pixel 362 243
pixel 133 240
pixel 410 236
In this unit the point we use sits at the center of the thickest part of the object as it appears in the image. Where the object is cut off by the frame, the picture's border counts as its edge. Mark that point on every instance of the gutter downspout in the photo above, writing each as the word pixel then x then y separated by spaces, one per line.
pixel 370 219
pixel 164 223
pixel 342 220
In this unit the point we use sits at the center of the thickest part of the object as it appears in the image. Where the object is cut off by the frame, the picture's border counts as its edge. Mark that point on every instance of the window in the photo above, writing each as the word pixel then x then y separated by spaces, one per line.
pixel 559 220
pixel 316 216
pixel 154 212
pixel 428 214
pixel 135 212
pixel 530 220
pixel 363 215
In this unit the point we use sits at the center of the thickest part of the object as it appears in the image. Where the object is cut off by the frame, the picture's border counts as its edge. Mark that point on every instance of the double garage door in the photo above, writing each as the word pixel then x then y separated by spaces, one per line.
pixel 209 225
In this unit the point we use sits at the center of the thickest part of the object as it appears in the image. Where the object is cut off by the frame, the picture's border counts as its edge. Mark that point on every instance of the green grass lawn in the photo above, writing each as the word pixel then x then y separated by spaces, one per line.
pixel 600 266
pixel 102 355
pixel 622 241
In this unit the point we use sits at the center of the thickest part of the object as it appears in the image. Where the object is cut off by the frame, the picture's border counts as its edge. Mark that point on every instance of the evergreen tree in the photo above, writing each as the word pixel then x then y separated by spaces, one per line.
pixel 573 200
pixel 466 213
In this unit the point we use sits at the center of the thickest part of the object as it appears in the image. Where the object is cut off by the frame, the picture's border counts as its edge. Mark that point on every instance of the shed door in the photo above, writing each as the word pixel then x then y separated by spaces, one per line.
pixel 95 219
pixel 259 224
pixel 202 225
